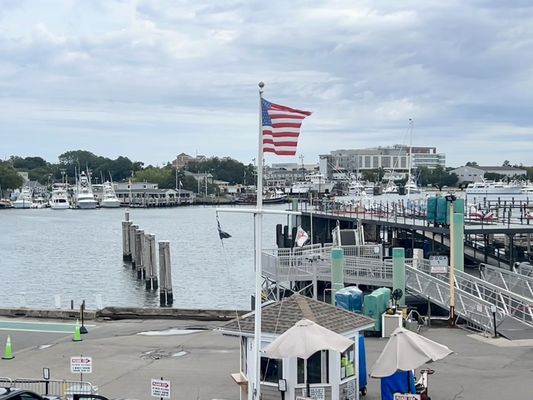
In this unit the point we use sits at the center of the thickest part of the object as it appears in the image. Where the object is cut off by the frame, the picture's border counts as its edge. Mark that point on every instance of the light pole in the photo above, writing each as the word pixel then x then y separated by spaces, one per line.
pixel 451 199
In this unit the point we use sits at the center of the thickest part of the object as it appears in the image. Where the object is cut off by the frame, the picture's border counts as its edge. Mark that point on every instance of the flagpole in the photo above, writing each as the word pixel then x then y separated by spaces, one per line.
pixel 258 243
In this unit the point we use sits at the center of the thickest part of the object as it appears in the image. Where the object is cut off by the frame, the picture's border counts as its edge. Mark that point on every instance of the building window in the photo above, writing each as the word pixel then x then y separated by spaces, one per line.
pixel 348 362
pixel 271 370
pixel 316 366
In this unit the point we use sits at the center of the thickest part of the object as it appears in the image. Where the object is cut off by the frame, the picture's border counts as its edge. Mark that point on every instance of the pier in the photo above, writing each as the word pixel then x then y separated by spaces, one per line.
pixel 391 246
pixel 501 241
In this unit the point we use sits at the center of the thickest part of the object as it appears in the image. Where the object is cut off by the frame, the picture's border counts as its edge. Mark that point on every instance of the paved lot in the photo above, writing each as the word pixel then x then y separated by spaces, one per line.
pixel 198 364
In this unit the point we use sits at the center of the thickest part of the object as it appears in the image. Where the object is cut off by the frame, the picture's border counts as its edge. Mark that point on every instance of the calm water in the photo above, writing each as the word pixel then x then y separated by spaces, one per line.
pixel 78 254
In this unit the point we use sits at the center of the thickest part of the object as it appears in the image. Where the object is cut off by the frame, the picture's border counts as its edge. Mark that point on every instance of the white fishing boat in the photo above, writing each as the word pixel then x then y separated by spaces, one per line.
pixel 315 182
pixel 356 188
pixel 39 202
pixel 59 200
pixel 391 188
pixel 490 187
pixel 411 186
pixel 109 197
pixel 527 188
pixel 84 193
pixel 24 199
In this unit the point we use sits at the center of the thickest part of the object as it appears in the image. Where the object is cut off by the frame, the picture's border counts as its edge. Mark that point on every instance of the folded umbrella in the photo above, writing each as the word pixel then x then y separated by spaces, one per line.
pixel 406 351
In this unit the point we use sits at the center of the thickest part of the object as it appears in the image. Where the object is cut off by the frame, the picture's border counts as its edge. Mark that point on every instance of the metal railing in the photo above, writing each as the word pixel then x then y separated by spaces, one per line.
pixel 523 269
pixel 468 306
pixel 474 296
pixel 51 387
pixel 511 303
pixel 509 280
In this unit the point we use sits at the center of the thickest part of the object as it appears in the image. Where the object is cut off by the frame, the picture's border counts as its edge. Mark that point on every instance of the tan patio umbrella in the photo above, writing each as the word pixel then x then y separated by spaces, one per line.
pixel 303 340
pixel 406 351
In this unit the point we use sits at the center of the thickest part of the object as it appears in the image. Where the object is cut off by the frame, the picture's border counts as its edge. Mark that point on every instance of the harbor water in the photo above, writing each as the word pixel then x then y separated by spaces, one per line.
pixel 77 255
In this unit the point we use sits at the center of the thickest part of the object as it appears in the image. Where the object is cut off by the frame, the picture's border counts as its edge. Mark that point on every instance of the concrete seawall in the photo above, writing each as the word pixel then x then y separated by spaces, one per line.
pixel 114 313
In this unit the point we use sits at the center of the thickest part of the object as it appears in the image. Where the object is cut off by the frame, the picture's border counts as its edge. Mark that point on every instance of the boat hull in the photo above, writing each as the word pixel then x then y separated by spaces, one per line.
pixel 87 204
pixel 110 204
pixel 22 204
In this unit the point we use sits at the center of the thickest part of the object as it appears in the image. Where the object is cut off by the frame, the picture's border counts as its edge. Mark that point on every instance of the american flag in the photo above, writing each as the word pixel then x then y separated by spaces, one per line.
pixel 281 128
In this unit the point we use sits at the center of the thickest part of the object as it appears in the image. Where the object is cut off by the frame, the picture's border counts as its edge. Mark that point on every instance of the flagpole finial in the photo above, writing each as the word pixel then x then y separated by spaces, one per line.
pixel 261 85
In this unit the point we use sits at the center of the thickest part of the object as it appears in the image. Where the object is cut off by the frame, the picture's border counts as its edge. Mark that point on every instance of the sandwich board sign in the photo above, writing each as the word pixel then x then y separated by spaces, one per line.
pixel 81 365
pixel 160 388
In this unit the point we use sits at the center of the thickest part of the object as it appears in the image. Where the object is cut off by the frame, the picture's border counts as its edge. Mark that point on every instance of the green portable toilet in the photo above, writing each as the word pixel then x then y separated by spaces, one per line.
pixel 375 304
pixel 431 209
pixel 442 211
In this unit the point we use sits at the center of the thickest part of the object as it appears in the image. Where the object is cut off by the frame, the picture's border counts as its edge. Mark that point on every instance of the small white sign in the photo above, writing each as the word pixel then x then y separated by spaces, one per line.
pixel 81 365
pixel 398 396
pixel 317 393
pixel 438 264
pixel 160 388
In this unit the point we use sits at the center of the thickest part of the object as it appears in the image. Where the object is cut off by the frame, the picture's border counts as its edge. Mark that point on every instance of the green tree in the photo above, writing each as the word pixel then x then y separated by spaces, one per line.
pixel 9 179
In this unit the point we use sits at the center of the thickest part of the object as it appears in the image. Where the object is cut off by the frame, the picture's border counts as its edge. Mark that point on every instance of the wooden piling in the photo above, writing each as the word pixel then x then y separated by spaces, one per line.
pixel 133 245
pixel 126 250
pixel 139 265
pixel 165 275
pixel 150 262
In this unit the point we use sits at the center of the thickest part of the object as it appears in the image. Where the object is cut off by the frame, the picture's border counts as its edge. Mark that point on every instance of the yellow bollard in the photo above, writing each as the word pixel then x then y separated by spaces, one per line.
pixel 8 353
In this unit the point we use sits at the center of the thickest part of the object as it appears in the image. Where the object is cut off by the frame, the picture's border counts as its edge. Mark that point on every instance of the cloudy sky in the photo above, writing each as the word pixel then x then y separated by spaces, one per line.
pixel 150 79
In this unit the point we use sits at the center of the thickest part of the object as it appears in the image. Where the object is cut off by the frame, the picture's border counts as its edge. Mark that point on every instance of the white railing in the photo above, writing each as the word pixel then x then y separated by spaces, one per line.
pixel 470 307
pixel 516 283
pixel 523 269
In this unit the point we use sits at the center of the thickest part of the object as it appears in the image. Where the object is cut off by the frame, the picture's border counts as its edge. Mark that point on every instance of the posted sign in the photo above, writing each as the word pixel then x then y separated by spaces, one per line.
pixel 438 264
pixel 398 396
pixel 160 388
pixel 81 365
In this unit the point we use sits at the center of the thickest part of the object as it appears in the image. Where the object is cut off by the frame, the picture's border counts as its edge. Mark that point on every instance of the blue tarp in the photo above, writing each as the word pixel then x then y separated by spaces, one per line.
pixel 397 383
pixel 362 363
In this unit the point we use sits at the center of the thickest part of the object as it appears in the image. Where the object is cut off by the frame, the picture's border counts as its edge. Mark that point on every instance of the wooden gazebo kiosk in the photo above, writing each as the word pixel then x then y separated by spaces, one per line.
pixel 330 375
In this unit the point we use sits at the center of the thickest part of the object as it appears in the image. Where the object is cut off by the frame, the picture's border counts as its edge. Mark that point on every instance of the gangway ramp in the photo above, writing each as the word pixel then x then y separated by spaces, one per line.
pixel 523 269
pixel 474 297
pixel 509 280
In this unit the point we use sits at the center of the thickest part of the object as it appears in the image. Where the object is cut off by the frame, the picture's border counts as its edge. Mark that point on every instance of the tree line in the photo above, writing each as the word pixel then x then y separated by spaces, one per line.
pixel 122 169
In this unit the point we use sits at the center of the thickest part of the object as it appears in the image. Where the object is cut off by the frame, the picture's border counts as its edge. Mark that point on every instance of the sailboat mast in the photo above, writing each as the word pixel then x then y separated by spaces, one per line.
pixel 410 156
pixel 256 390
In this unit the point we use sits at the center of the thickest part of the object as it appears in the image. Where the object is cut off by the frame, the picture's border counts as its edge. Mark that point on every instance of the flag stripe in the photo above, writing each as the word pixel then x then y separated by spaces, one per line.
pixel 281 127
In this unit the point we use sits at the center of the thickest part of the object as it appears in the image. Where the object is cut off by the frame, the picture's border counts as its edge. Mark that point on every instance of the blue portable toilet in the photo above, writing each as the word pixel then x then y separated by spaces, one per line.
pixel 350 298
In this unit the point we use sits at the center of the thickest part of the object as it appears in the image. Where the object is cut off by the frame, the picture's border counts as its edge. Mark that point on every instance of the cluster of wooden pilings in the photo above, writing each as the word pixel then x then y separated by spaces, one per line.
pixel 139 249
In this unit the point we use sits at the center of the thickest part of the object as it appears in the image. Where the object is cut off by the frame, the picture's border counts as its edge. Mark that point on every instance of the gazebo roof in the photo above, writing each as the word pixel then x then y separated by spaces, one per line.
pixel 279 316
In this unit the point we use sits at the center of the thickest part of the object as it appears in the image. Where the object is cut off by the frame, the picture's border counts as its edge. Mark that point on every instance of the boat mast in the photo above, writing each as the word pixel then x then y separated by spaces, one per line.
pixel 410 156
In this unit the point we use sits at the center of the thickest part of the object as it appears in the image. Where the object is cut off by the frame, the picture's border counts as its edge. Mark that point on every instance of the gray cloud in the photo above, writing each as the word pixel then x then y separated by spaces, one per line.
pixel 123 76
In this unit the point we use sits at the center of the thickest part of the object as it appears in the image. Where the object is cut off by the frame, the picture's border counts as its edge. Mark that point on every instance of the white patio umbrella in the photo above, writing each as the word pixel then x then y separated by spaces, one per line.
pixel 304 339
pixel 405 351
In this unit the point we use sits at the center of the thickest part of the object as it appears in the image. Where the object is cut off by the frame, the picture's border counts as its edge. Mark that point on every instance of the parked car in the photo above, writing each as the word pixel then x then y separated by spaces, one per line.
pixel 9 393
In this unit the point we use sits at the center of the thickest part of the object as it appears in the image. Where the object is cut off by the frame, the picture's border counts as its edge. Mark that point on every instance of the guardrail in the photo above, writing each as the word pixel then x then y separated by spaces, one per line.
pixel 51 387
